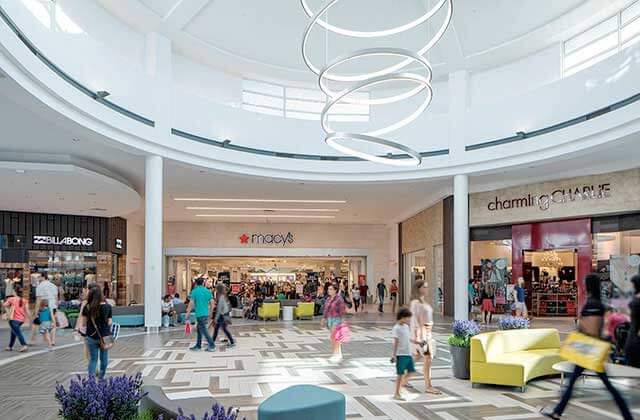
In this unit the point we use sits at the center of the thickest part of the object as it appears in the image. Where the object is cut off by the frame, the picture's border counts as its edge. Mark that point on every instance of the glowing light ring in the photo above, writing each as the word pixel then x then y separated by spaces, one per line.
pixel 398 52
pixel 315 19
pixel 332 140
pixel 422 81
pixel 358 82
pixel 370 34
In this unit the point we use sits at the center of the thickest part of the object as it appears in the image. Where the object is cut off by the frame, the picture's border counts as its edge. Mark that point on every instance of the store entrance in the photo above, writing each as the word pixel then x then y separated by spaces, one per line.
pixel 293 277
pixel 550 281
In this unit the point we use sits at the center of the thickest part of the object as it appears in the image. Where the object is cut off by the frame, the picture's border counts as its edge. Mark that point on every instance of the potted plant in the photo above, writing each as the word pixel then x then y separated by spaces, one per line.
pixel 459 344
pixel 513 323
pixel 217 413
pixel 116 398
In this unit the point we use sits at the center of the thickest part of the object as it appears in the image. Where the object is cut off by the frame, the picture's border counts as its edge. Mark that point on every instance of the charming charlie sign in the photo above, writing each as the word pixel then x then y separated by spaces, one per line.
pixel 588 196
pixel 556 197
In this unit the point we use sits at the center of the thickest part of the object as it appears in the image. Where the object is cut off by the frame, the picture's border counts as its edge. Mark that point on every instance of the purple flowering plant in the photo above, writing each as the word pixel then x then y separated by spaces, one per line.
pixel 116 398
pixel 463 330
pixel 217 413
pixel 513 323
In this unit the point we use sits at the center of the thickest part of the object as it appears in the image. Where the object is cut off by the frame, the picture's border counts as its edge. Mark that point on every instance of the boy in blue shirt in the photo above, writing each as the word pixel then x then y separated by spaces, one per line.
pixel 201 299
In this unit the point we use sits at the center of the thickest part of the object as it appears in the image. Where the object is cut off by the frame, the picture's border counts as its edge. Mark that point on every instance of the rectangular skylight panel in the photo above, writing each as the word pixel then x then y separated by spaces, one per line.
pixel 592 35
pixel 304 106
pixel 602 46
pixel 263 87
pixel 630 13
pixel 305 94
pixel 303 115
pixel 263 110
pixel 261 100
pixel 630 31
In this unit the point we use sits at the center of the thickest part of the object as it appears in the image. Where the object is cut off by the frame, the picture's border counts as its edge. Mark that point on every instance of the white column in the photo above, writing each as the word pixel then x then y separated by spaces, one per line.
pixel 460 245
pixel 153 242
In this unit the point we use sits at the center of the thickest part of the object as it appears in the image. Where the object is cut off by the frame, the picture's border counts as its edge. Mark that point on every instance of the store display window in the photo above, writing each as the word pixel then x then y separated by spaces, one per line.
pixel 491 273
pixel 550 282
pixel 70 271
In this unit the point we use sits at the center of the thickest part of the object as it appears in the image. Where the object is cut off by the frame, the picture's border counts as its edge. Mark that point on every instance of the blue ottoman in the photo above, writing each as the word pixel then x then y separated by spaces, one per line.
pixel 129 320
pixel 306 402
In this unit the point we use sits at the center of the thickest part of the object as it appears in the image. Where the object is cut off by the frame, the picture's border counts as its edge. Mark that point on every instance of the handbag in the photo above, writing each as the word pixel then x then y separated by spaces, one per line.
pixel 585 351
pixel 107 341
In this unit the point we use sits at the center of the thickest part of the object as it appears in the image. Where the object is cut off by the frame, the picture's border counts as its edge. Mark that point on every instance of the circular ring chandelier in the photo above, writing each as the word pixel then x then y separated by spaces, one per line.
pixel 372 79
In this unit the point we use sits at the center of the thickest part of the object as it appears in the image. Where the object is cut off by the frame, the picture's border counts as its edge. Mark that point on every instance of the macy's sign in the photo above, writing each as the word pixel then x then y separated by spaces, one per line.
pixel 267 239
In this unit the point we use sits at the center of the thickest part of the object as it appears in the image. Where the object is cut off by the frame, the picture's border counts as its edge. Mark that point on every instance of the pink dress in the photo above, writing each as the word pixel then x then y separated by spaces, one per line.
pixel 422 317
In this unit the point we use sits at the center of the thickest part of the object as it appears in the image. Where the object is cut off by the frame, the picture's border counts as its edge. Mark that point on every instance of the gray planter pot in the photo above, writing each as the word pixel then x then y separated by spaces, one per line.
pixel 460 357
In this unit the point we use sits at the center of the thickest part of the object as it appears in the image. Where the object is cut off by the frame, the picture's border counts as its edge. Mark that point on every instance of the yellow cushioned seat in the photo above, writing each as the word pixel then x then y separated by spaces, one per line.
pixel 514 357
pixel 269 311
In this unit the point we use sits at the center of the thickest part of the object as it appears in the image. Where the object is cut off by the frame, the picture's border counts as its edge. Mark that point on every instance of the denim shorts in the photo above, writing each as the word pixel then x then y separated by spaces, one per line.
pixel 333 322
pixel 45 326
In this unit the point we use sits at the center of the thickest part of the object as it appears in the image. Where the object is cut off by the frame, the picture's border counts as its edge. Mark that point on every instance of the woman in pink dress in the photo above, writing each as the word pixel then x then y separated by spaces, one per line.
pixel 421 327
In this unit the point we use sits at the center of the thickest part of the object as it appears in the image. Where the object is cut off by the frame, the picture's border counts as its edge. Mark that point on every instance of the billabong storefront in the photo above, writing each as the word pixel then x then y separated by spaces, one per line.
pixel 72 251
pixel 552 234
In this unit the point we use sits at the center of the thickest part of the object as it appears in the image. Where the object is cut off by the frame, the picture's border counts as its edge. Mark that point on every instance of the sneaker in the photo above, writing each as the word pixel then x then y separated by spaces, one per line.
pixel 231 345
pixel 335 359
pixel 195 348
pixel 210 349
pixel 550 414
pixel 399 398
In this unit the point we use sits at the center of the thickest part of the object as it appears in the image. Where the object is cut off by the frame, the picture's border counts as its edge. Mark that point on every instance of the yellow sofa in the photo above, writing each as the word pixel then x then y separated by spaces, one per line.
pixel 304 310
pixel 514 357
pixel 269 311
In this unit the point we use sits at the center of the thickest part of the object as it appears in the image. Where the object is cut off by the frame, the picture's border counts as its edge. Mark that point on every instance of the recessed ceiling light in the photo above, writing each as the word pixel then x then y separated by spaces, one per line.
pixel 75 140
pixel 262 209
pixel 279 216
pixel 259 200
pixel 20 171
pixel 92 193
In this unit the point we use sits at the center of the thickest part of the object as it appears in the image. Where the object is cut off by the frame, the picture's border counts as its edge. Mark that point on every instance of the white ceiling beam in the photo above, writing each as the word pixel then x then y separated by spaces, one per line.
pixel 183 12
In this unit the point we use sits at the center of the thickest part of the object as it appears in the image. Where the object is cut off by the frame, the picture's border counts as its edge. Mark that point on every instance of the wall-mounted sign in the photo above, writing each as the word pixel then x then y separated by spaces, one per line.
pixel 118 243
pixel 282 239
pixel 586 196
pixel 66 240
pixel 558 196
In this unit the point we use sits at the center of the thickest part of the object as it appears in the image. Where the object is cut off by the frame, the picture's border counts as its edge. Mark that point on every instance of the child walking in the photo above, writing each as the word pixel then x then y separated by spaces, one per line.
pixel 45 315
pixel 402 350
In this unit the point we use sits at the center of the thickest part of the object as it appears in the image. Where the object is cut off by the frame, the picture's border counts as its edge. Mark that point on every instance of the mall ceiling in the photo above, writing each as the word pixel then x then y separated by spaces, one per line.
pixel 35 134
pixel 263 37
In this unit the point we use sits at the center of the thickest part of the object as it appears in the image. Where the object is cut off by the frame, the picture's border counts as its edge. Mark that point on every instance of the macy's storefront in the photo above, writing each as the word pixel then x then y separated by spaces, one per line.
pixel 284 256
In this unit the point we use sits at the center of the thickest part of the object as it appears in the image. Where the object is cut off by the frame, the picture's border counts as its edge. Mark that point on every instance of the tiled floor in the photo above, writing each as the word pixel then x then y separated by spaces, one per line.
pixel 272 356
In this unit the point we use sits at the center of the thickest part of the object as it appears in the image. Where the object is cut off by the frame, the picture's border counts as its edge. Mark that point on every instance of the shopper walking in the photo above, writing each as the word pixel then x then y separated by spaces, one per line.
pixel 45 315
pixel 200 301
pixel 222 318
pixel 355 294
pixel 49 291
pixel 632 347
pixel 334 310
pixel 421 330
pixel 487 303
pixel 590 322
pixel 401 356
pixel 19 313
pixel 381 291
pixel 393 295
pixel 519 294
pixel 96 317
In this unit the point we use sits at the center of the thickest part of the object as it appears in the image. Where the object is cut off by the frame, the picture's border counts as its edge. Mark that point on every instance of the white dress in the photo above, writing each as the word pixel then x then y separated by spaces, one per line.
pixel 421 319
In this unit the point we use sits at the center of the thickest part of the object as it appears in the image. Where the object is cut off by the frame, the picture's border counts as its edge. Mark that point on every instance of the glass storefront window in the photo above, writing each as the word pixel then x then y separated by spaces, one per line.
pixel 70 271
pixel 491 272
pixel 616 259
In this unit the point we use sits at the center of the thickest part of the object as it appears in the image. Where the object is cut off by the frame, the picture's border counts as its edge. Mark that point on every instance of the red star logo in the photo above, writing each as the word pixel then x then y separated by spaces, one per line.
pixel 244 239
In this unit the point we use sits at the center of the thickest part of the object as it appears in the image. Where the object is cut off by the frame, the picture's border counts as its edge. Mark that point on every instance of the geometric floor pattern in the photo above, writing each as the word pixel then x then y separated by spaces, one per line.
pixel 272 356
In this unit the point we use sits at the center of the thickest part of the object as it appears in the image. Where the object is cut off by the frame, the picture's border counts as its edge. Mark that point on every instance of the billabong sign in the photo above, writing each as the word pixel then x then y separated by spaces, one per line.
pixel 57 240
pixel 267 239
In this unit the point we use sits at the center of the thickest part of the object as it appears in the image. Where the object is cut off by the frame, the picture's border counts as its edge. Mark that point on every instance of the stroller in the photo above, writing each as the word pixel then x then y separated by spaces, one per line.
pixel 620 335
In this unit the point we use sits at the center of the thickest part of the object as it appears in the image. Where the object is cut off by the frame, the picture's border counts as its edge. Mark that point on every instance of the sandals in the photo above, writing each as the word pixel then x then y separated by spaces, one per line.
pixel 433 391
pixel 8 349
pixel 23 349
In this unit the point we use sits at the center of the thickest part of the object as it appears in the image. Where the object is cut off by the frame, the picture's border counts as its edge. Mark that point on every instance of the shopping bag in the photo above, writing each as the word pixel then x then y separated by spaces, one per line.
pixel 585 351
pixel 342 333
pixel 187 328
pixel 61 320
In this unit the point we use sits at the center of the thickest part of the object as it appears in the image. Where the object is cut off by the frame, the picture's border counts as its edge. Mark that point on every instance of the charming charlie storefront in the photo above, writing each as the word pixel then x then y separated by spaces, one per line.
pixel 554 233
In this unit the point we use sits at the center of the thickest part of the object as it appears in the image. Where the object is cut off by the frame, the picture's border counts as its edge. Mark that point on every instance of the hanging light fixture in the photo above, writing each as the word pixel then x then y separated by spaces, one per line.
pixel 374 79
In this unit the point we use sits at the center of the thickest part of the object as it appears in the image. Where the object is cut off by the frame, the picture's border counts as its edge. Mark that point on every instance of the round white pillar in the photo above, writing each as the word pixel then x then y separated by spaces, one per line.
pixel 461 246
pixel 153 243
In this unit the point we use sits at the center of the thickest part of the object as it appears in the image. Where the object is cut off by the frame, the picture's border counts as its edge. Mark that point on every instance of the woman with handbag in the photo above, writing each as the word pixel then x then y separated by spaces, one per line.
pixel 332 315
pixel 222 318
pixel 18 314
pixel 96 317
pixel 632 346
pixel 421 328
pixel 590 323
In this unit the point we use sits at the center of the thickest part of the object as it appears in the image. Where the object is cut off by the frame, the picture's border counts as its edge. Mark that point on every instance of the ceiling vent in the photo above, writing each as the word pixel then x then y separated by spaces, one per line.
pixel 97 209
